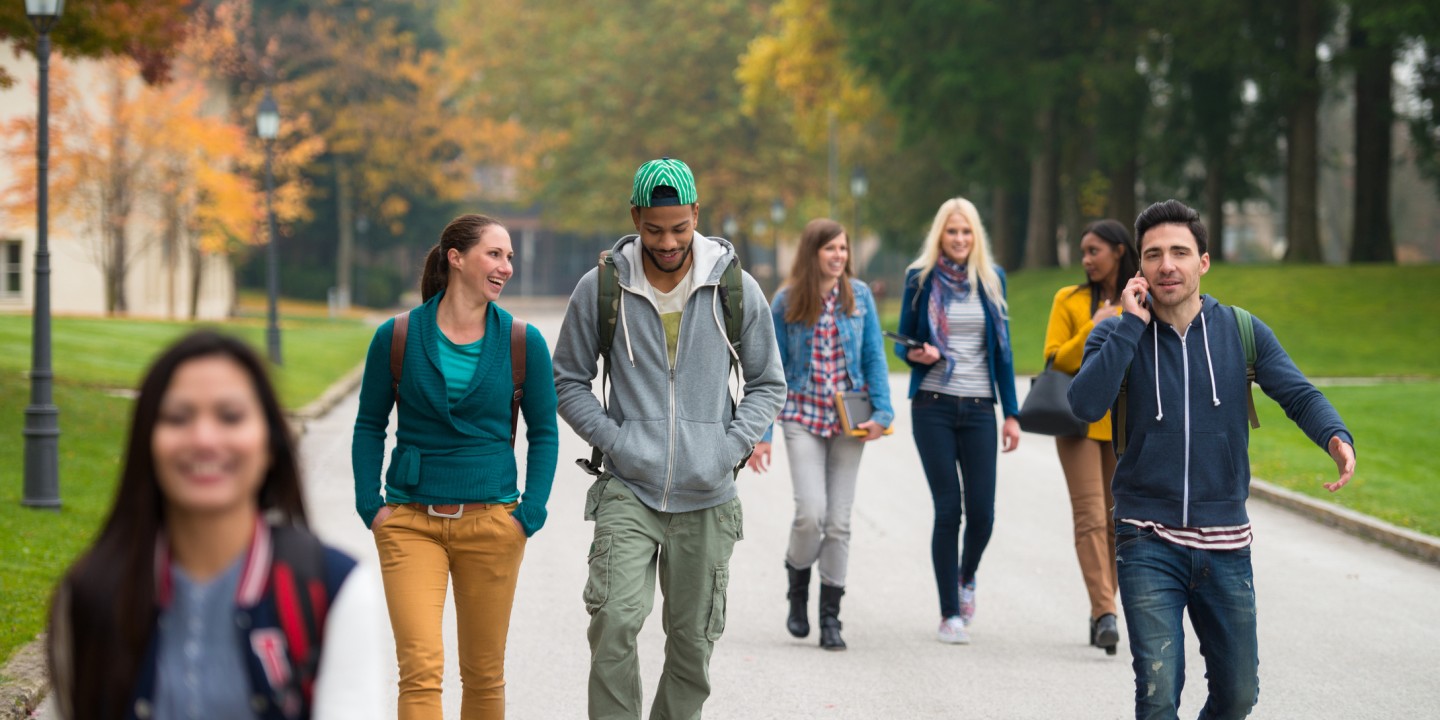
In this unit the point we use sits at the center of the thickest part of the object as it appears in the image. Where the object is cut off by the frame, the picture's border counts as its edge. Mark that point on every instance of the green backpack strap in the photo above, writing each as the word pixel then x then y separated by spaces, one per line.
pixel 607 308
pixel 1246 323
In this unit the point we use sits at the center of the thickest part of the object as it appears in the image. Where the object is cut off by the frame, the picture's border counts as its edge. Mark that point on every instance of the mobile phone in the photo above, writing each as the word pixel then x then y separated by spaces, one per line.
pixel 905 340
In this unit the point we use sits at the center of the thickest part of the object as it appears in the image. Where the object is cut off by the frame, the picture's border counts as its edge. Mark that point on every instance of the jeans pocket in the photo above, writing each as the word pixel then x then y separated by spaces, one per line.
pixel 1127 535
pixel 716 627
pixel 597 587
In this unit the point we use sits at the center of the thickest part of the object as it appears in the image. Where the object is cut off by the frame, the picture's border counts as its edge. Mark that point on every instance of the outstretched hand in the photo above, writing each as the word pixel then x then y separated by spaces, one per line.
pixel 1344 456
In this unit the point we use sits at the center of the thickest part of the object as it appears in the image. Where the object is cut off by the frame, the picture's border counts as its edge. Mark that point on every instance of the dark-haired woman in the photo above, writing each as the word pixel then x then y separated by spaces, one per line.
pixel 954 303
pixel 204 596
pixel 829 336
pixel 1108 256
pixel 452 510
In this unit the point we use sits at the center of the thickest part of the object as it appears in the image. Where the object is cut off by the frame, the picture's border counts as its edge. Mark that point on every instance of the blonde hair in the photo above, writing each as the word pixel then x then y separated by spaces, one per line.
pixel 978 266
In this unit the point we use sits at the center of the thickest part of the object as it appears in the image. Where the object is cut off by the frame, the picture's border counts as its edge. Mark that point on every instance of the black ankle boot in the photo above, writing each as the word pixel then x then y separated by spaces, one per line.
pixel 1104 633
pixel 830 617
pixel 799 622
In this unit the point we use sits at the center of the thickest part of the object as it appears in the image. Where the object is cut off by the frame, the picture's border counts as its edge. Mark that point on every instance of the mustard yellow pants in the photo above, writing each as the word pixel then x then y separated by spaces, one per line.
pixel 480 553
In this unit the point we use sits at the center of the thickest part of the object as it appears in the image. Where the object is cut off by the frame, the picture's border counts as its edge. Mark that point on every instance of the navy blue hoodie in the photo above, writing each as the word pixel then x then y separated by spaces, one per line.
pixel 1187 463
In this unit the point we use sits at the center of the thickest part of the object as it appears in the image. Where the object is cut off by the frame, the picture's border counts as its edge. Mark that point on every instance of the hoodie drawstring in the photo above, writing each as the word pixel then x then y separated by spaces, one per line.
pixel 1155 337
pixel 629 349
pixel 1205 330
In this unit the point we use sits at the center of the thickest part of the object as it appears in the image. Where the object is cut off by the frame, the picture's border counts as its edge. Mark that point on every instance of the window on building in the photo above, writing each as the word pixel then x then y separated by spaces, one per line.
pixel 10 268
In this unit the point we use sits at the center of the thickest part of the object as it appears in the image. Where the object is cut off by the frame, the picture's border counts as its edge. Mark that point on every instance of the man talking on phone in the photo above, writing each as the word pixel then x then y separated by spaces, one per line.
pixel 1182 535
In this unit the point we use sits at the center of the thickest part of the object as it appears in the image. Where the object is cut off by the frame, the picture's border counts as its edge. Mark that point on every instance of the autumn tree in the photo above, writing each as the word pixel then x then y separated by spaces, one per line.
pixel 390 104
pixel 149 32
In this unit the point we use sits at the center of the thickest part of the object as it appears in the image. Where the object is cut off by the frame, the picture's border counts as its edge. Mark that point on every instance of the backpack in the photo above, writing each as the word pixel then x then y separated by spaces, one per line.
pixel 302 599
pixel 732 302
pixel 517 363
pixel 1244 321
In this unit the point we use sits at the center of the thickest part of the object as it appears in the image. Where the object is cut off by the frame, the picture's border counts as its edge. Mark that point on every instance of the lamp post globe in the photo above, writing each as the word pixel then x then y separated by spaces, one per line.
pixel 859 186
pixel 42 417
pixel 267 126
pixel 730 227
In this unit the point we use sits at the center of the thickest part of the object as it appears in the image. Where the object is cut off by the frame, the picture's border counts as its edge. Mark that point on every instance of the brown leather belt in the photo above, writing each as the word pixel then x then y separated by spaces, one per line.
pixel 452 510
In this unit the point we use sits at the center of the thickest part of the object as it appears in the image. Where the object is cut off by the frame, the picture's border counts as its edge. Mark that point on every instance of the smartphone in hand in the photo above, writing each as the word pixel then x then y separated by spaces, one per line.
pixel 905 340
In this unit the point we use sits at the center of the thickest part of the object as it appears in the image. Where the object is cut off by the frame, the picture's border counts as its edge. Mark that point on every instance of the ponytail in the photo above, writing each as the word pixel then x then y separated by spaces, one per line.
pixel 461 234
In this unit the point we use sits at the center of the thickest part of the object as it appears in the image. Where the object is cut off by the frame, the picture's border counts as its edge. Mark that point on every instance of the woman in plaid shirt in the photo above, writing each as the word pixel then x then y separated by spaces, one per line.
pixel 829 337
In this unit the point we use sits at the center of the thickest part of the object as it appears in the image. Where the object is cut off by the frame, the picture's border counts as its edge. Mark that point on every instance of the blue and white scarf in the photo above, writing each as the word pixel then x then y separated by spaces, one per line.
pixel 950 281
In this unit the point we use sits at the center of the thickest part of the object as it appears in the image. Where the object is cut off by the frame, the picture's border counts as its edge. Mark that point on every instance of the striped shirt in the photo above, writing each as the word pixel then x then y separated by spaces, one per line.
pixel 966 344
pixel 813 406
pixel 1228 537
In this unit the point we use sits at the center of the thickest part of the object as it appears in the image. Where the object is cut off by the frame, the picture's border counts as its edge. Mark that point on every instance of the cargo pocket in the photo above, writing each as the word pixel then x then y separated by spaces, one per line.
pixel 597 587
pixel 716 627
pixel 592 496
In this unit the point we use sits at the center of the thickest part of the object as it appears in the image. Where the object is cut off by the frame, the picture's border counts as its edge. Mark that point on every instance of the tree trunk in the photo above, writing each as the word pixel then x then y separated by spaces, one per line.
pixel 344 256
pixel 1002 233
pixel 1215 205
pixel 1302 225
pixel 1040 248
pixel 1371 239
pixel 197 275
pixel 1121 205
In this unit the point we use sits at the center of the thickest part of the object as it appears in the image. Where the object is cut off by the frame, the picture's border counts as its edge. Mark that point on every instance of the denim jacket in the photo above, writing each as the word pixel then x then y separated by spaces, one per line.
pixel 860 340
pixel 914 323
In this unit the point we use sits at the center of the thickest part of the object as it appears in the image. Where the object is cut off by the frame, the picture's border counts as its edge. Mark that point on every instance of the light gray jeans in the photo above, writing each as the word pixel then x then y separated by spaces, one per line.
pixel 823 471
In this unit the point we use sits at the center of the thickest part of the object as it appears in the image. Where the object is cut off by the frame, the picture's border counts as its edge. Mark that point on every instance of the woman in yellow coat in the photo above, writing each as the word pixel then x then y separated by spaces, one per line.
pixel 1109 258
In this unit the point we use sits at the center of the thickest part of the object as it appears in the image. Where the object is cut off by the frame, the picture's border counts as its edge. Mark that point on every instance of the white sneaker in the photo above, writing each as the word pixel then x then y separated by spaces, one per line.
pixel 967 602
pixel 952 631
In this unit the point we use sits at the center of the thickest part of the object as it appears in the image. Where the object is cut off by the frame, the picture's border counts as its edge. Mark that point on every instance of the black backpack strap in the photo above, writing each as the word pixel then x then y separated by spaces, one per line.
pixel 517 373
pixel 397 351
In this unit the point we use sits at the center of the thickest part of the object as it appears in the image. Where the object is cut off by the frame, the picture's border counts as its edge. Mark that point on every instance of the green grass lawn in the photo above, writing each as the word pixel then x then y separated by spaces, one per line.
pixel 94 357
pixel 1395 472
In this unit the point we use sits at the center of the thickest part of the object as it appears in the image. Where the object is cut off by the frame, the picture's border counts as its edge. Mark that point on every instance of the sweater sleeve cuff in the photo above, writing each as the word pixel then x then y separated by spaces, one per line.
pixel 368 511
pixel 531 517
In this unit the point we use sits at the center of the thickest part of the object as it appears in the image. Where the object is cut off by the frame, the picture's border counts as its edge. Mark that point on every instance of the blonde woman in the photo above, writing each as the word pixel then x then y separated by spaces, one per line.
pixel 954 304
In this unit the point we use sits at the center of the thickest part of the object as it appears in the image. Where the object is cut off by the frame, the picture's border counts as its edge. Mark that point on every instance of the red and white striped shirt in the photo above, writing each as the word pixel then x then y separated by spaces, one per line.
pixel 1228 537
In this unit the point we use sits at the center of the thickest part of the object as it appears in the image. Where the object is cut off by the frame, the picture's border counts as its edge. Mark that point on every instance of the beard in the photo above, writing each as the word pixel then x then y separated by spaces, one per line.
pixel 679 262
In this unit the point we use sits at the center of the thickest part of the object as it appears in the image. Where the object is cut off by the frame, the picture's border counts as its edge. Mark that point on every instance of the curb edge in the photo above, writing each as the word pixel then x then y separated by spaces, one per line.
pixel 1407 542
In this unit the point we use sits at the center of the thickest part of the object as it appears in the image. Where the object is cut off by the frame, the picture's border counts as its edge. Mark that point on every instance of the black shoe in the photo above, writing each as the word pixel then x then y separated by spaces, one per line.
pixel 1104 633
pixel 830 617
pixel 798 623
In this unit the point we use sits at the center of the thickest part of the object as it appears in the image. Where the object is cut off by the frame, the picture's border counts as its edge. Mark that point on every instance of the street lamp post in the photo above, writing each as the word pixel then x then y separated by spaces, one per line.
pixel 42 417
pixel 777 217
pixel 267 126
pixel 859 185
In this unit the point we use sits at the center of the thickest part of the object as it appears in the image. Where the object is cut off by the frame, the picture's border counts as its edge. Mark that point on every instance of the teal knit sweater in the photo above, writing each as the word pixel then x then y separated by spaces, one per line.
pixel 456 453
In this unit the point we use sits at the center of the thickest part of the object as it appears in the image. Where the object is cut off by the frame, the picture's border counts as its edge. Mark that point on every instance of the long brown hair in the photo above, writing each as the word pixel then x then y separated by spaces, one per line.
pixel 109 601
pixel 805 301
pixel 461 234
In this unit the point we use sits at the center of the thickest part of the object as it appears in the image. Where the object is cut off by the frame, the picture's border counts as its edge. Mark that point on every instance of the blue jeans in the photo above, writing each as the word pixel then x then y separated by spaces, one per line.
pixel 1159 580
pixel 952 430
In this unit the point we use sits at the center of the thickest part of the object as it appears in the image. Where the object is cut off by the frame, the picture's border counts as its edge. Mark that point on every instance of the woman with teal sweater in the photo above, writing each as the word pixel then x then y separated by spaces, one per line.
pixel 451 508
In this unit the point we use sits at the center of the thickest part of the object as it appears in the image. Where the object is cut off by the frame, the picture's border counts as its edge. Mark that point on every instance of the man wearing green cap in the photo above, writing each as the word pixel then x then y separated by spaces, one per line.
pixel 672 438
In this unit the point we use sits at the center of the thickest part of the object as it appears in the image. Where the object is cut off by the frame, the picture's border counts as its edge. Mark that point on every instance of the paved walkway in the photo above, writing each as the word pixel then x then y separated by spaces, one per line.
pixel 1348 629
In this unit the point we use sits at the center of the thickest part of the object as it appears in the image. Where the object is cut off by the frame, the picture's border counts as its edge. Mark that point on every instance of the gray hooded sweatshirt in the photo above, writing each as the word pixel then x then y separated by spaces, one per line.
pixel 670 435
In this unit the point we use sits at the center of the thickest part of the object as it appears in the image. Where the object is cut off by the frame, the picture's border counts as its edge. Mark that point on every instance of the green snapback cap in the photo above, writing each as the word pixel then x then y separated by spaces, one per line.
pixel 671 177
